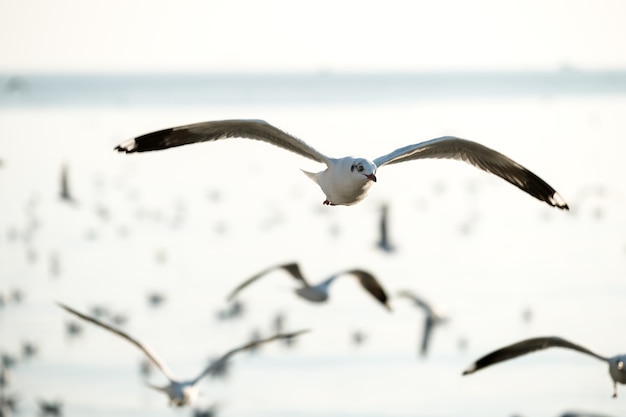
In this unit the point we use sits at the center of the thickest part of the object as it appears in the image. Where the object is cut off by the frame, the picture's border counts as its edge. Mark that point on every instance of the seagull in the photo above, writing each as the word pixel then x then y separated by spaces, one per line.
pixel 433 317
pixel 617 367
pixel 180 393
pixel 346 181
pixel 384 242
pixel 319 293
pixel 65 193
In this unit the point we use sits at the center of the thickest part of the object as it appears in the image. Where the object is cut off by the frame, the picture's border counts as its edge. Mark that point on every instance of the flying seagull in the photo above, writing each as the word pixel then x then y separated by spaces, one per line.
pixel 345 181
pixel 432 319
pixel 319 293
pixel 617 367
pixel 180 393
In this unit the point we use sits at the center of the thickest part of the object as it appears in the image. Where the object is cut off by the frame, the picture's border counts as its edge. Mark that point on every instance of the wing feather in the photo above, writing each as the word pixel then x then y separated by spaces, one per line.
pixel 152 356
pixel 250 345
pixel 482 157
pixel 370 284
pixel 291 268
pixel 220 129
pixel 524 347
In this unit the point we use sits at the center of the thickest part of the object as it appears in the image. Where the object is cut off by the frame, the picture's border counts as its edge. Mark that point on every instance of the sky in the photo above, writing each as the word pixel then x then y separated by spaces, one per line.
pixel 321 35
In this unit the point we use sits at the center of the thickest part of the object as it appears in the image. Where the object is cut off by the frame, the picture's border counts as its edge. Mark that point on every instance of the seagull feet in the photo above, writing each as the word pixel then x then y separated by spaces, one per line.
pixel 327 203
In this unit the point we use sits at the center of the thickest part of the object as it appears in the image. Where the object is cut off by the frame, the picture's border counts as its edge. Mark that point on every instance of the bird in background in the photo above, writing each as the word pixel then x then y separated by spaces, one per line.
pixel 179 392
pixel 432 318
pixel 346 181
pixel 617 364
pixel 320 292
pixel 65 194
pixel 384 242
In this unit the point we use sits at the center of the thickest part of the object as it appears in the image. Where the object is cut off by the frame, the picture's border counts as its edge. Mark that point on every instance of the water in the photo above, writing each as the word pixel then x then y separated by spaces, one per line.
pixel 193 222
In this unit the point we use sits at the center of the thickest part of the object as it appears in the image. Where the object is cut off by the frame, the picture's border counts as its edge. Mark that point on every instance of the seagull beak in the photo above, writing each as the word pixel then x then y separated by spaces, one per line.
pixel 371 177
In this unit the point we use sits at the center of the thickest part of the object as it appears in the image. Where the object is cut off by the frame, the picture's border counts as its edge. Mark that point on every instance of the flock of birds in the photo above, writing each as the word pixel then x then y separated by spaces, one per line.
pixel 345 181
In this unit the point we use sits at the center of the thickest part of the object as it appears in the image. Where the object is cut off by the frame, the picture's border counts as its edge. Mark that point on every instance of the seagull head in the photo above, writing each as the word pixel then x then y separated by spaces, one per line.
pixel 365 168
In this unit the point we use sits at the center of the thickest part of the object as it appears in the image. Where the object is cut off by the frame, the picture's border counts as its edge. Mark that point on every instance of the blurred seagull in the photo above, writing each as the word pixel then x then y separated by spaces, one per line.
pixel 384 242
pixel 617 367
pixel 433 317
pixel 319 293
pixel 65 194
pixel 346 180
pixel 180 393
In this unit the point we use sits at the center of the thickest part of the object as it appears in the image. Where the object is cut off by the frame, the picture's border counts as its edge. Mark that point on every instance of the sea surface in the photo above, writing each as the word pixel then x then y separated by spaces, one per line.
pixel 191 223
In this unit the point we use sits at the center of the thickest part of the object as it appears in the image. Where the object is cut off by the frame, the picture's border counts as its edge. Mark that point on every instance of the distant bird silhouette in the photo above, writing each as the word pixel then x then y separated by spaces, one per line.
pixel 384 243
pixel 206 412
pixel 65 194
pixel 433 318
pixel 319 293
pixel 582 414
pixel 155 299
pixel 180 393
pixel 50 408
pixel 617 364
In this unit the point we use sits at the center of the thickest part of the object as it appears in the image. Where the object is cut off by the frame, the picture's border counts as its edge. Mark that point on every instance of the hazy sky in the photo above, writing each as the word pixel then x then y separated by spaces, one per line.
pixel 319 35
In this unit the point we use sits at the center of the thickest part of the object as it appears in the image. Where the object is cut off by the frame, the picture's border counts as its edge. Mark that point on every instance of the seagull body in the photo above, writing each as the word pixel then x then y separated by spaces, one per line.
pixel 346 181
pixel 617 364
pixel 319 293
pixel 180 393
pixel 433 318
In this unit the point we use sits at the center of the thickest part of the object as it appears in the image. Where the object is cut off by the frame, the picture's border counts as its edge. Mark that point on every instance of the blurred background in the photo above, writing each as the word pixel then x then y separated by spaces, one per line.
pixel 155 242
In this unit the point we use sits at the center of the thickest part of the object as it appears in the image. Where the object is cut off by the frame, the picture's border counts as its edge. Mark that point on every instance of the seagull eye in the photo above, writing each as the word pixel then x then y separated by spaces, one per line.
pixel 360 168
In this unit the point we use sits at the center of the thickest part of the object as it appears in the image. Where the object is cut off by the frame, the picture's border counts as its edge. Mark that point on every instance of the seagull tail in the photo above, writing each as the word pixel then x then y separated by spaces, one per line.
pixel 314 176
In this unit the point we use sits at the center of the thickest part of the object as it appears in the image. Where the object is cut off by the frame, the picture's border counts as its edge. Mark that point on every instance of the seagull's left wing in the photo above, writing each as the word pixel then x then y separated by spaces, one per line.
pixel 449 147
pixel 292 269
pixel 220 129
pixel 370 283
pixel 152 356
pixel 524 347
pixel 250 345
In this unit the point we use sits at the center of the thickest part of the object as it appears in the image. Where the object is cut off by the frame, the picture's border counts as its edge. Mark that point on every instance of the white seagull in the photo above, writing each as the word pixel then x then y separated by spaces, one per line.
pixel 319 293
pixel 180 393
pixel 617 367
pixel 432 319
pixel 345 181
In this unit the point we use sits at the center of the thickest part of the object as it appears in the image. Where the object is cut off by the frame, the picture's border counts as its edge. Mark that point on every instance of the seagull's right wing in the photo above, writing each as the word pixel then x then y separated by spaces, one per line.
pixel 370 284
pixel 250 345
pixel 482 157
pixel 429 323
pixel 292 268
pixel 524 347
pixel 152 356
pixel 417 300
pixel 220 129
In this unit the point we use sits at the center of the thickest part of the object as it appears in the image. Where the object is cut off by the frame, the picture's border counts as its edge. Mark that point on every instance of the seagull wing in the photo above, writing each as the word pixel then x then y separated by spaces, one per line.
pixel 152 356
pixel 292 268
pixel 417 300
pixel 449 147
pixel 220 129
pixel 250 345
pixel 370 283
pixel 429 322
pixel 524 347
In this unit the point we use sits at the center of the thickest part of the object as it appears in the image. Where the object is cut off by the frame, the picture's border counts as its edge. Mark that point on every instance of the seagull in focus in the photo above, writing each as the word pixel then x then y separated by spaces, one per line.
pixel 346 181
pixel 617 364
pixel 319 293
pixel 433 317
pixel 180 393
